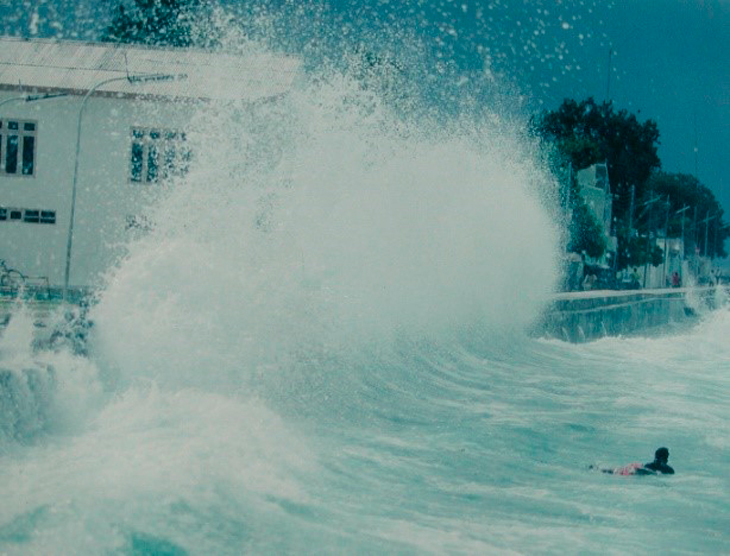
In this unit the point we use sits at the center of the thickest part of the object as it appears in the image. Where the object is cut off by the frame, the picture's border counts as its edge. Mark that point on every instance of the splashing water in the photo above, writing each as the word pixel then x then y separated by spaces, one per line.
pixel 363 227
pixel 320 348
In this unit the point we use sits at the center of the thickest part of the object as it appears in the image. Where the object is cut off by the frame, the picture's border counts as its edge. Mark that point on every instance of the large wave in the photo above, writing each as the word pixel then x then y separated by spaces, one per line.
pixel 326 222
pixel 321 348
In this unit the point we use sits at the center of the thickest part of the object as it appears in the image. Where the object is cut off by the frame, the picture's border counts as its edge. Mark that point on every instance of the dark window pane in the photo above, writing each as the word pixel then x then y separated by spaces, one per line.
pixel 185 158
pixel 154 135
pixel 3 213
pixel 32 216
pixel 48 217
pixel 28 152
pixel 15 215
pixel 12 125
pixel 168 168
pixel 137 157
pixel 11 155
pixel 152 163
pixel 137 133
pixel 29 126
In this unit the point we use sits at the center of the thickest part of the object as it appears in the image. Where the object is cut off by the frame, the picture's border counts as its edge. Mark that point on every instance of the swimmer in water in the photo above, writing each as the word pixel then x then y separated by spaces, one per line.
pixel 659 465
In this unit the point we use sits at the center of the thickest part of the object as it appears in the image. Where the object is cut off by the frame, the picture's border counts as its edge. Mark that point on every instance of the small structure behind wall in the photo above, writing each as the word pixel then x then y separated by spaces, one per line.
pixel 594 187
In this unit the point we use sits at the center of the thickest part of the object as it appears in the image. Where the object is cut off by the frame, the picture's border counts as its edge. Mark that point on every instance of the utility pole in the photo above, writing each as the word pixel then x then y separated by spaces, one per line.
pixel 707 228
pixel 631 209
pixel 648 236
pixel 681 212
pixel 696 238
pixel 696 148
pixel 666 239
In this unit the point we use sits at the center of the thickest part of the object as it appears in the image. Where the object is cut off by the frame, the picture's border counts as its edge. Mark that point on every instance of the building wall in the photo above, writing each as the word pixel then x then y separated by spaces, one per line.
pixel 105 195
pixel 593 182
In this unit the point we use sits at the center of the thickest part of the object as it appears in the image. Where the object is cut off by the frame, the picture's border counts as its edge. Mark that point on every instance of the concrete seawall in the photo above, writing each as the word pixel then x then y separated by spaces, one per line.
pixel 585 316
pixel 571 316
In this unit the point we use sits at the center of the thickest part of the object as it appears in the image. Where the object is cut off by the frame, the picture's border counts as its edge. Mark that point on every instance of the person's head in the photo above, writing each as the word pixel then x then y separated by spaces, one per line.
pixel 662 454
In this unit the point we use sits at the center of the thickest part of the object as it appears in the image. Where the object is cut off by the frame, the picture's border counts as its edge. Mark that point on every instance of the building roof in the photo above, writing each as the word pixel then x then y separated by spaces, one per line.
pixel 73 66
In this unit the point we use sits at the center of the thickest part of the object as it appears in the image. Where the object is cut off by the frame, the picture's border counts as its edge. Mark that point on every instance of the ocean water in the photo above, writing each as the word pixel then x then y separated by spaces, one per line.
pixel 326 353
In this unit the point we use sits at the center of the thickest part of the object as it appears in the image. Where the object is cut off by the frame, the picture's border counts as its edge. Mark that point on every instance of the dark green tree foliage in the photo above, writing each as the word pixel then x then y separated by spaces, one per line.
pixel 684 190
pixel 587 132
pixel 637 251
pixel 580 152
pixel 182 23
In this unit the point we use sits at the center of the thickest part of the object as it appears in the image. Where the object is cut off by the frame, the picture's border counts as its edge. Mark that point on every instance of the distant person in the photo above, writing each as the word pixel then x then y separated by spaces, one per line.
pixel 635 282
pixel 658 466
pixel 675 280
pixel 589 282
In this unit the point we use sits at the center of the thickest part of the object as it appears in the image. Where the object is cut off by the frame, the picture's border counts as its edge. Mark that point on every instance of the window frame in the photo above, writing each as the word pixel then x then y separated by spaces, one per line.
pixel 156 142
pixel 28 215
pixel 21 133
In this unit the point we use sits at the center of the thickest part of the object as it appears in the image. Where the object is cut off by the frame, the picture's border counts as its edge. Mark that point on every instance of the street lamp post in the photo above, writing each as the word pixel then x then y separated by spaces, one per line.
pixel 706 222
pixel 650 205
pixel 666 243
pixel 131 79
pixel 681 263
pixel 714 241
pixel 717 229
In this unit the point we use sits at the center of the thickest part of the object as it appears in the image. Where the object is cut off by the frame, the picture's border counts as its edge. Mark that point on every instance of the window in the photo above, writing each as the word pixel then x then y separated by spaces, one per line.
pixel 158 154
pixel 17 147
pixel 138 223
pixel 48 217
pixel 30 216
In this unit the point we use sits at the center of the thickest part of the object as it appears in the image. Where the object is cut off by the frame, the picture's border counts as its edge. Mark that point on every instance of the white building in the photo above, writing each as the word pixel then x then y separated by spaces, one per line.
pixel 595 189
pixel 108 121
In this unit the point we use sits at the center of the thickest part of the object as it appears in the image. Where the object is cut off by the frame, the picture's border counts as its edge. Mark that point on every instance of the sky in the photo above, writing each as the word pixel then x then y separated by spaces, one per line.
pixel 669 59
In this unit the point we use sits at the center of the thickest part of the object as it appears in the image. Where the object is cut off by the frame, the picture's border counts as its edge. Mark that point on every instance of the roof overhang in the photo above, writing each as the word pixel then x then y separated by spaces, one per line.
pixel 73 67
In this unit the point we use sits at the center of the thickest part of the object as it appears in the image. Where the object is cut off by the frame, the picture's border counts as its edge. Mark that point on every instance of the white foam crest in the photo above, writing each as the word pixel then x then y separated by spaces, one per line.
pixel 41 391
pixel 16 339
pixel 355 225
pixel 148 452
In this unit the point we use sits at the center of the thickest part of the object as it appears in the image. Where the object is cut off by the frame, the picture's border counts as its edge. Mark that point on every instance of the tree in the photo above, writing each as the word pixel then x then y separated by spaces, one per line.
pixel 638 251
pixel 684 190
pixel 586 234
pixel 585 132
pixel 181 23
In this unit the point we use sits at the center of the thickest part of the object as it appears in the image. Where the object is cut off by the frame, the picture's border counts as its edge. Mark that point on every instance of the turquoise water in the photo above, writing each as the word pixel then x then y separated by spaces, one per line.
pixel 336 362
pixel 467 446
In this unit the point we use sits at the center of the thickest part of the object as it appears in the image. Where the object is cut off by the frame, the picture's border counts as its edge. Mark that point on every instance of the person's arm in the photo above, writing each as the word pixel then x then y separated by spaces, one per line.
pixel 645 471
